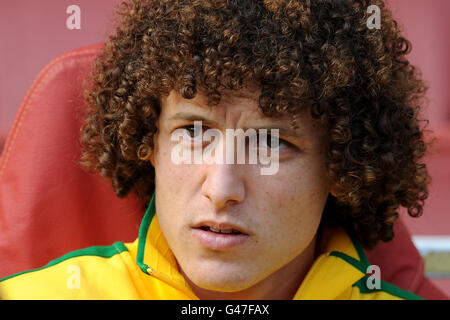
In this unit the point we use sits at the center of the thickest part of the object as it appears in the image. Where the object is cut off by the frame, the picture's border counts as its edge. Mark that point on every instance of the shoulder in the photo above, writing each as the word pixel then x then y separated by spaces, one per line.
pixel 75 275
pixel 371 289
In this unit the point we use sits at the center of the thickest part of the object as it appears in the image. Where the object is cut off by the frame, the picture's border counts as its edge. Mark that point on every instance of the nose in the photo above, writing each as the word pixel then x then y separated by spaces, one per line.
pixel 224 185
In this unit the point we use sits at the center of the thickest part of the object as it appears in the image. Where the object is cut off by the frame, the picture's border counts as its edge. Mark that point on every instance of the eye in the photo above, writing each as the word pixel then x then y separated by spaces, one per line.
pixel 193 131
pixel 273 142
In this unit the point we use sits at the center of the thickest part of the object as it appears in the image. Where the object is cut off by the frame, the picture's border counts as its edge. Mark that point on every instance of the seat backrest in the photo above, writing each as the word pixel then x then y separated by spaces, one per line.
pixel 50 206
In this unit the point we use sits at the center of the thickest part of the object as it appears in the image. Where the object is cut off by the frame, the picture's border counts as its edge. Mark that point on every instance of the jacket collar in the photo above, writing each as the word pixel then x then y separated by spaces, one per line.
pixel 341 261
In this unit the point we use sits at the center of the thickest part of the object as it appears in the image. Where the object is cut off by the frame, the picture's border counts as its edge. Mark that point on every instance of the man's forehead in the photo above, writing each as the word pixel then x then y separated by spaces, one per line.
pixel 244 100
pixel 179 108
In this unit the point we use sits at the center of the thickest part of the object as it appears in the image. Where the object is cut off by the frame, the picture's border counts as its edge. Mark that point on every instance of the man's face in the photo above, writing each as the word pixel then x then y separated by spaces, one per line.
pixel 273 218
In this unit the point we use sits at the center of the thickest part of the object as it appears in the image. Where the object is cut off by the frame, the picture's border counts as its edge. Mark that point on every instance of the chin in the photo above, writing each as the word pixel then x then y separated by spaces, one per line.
pixel 222 285
pixel 231 280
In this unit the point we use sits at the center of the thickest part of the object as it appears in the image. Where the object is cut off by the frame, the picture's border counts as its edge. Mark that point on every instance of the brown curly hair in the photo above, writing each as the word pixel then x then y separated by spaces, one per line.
pixel 317 54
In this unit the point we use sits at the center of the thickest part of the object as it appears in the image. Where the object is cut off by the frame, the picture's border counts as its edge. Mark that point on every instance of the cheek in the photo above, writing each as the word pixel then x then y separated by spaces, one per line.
pixel 170 180
pixel 297 186
pixel 169 175
pixel 292 210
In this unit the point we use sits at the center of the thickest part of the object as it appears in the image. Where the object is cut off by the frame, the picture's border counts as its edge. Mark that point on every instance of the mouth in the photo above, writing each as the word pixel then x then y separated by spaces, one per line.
pixel 219 236
pixel 221 231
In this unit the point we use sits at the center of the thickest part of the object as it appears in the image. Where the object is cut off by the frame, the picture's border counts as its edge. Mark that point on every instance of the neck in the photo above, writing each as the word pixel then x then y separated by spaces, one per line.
pixel 280 285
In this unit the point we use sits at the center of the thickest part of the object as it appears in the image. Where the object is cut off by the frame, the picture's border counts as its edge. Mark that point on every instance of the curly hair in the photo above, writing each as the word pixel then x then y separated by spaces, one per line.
pixel 317 54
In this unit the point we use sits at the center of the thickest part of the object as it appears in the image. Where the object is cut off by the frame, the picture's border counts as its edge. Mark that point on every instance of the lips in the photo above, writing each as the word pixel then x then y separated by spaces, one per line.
pixel 221 231
pixel 221 227
pixel 219 236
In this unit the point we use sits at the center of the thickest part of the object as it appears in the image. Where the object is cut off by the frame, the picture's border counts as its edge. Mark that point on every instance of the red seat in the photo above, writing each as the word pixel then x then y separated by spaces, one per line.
pixel 2 141
pixel 50 206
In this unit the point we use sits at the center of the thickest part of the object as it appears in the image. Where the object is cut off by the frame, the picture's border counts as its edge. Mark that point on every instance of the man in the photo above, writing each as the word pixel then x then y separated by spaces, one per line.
pixel 340 104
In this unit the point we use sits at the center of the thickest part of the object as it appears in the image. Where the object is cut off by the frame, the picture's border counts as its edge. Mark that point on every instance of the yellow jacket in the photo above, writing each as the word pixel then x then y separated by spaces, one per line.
pixel 147 269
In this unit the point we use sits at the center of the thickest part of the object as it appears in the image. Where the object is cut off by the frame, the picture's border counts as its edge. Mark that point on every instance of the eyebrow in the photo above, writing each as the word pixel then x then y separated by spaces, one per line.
pixel 189 116
pixel 283 130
